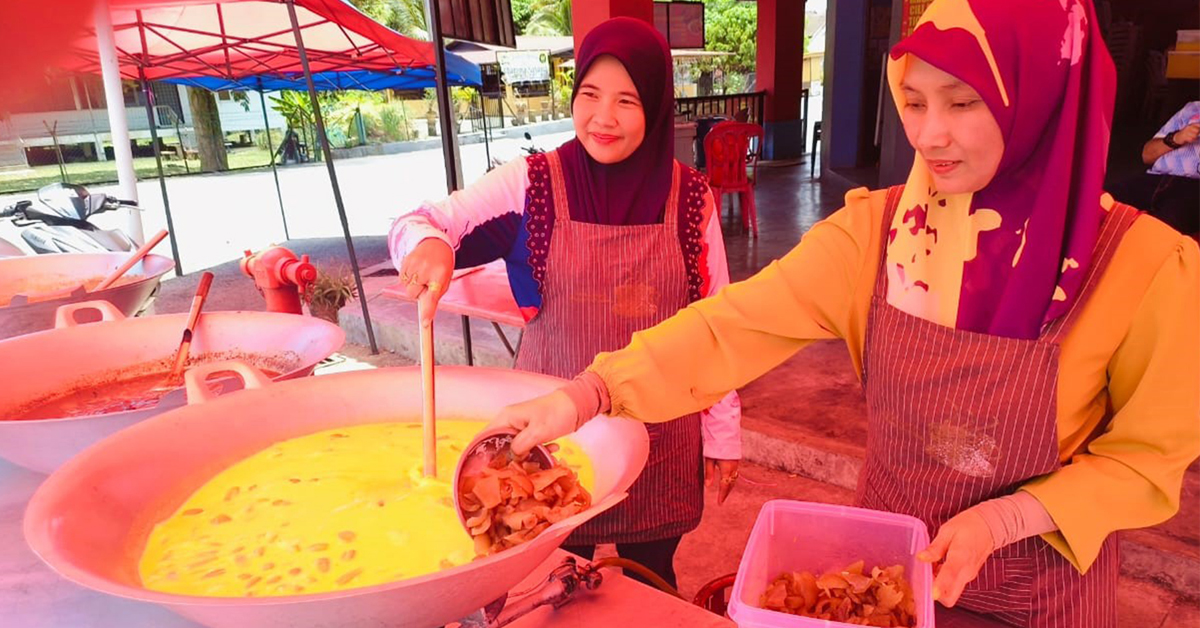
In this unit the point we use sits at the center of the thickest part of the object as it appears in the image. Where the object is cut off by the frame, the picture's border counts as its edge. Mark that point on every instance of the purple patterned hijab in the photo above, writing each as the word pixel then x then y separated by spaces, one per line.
pixel 1011 257
pixel 634 191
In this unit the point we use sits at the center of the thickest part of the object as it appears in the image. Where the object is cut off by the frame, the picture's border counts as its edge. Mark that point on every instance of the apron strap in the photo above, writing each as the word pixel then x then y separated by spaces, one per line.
pixel 889 210
pixel 1116 222
pixel 558 188
pixel 672 210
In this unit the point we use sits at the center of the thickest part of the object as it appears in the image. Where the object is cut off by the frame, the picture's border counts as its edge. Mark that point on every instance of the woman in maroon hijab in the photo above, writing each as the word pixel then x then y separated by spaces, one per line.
pixel 603 237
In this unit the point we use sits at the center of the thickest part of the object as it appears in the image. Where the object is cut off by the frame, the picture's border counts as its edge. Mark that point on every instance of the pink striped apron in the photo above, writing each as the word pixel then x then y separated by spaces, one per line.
pixel 603 283
pixel 956 418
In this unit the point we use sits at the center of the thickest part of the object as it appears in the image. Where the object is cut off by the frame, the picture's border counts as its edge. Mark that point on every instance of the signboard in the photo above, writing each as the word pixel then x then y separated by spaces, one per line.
pixel 911 14
pixel 681 23
pixel 524 66
pixel 484 21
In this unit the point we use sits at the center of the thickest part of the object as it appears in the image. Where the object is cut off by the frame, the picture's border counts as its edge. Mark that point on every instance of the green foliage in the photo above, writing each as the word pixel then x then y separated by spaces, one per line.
pixel 394 120
pixel 522 11
pixel 564 84
pixel 549 17
pixel 406 17
pixel 732 26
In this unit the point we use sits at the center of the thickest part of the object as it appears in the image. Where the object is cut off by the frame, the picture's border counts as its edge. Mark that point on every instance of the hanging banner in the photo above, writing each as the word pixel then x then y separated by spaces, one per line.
pixel 524 66
pixel 912 12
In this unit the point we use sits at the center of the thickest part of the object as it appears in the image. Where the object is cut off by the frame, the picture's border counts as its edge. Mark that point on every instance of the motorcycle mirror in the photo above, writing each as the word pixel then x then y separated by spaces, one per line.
pixel 528 136
pixel 65 199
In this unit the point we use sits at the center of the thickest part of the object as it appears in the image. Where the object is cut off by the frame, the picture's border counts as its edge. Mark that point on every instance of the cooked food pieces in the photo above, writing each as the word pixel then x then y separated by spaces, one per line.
pixel 883 598
pixel 511 502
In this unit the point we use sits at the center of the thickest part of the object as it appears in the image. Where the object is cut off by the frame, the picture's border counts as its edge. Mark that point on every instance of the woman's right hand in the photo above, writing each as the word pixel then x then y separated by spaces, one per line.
pixel 539 420
pixel 426 272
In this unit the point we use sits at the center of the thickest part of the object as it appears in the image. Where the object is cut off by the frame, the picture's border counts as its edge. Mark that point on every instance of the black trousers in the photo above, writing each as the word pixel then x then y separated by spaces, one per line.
pixel 657 556
pixel 1173 200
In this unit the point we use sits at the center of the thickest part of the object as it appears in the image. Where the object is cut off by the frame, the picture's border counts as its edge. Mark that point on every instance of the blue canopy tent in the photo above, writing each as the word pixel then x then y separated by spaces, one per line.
pixel 459 72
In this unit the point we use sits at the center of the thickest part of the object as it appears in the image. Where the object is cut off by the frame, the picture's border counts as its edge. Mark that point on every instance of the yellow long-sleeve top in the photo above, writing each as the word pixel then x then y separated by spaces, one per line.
pixel 1133 354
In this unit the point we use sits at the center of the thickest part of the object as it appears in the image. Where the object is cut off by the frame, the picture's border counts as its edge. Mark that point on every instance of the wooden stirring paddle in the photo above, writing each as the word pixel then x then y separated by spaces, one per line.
pixel 135 258
pixel 185 344
pixel 427 395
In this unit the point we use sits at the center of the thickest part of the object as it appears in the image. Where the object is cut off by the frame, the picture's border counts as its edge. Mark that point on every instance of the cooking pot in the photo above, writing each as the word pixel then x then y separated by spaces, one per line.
pixel 90 519
pixel 67 270
pixel 73 355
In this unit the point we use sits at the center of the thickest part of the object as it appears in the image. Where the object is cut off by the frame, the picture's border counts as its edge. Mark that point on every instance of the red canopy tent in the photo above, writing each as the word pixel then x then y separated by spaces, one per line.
pixel 234 39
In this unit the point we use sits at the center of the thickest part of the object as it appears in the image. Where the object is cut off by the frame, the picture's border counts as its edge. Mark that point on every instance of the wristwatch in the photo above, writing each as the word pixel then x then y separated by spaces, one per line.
pixel 1169 140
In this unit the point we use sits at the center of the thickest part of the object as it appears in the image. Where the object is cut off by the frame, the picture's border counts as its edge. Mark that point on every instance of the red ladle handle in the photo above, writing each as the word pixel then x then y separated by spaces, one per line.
pixel 137 257
pixel 427 392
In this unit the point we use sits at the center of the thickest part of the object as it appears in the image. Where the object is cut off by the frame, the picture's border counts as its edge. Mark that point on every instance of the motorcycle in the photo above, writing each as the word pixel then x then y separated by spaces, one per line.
pixel 62 225
pixel 529 149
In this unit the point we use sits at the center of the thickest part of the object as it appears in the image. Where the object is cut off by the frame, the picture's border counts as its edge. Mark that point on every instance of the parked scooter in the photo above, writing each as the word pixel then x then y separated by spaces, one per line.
pixel 61 223
pixel 529 149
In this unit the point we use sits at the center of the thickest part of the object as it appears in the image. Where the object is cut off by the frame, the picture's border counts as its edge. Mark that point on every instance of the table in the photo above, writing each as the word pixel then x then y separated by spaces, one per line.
pixel 479 292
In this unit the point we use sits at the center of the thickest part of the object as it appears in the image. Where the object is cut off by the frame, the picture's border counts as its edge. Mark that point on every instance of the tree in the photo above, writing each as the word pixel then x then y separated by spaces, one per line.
pixel 406 17
pixel 549 17
pixel 522 11
pixel 206 120
pixel 732 26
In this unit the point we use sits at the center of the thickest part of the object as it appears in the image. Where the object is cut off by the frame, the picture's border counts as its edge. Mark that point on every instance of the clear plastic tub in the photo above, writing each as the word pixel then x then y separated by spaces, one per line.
pixel 803 536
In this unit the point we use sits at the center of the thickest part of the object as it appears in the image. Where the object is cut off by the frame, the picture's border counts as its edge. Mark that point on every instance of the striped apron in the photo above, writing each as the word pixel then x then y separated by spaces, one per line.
pixel 603 283
pixel 957 418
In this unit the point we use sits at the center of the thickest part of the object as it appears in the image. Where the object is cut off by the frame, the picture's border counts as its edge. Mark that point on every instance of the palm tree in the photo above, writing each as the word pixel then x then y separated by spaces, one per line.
pixel 550 17
pixel 406 17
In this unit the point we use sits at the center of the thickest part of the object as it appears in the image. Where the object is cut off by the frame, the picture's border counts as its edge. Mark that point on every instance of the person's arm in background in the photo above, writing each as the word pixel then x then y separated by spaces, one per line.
pixel 1180 132
pixel 720 424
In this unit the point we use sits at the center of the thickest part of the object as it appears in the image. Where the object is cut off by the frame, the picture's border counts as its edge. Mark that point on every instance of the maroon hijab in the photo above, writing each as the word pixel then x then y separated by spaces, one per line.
pixel 634 191
pixel 1044 72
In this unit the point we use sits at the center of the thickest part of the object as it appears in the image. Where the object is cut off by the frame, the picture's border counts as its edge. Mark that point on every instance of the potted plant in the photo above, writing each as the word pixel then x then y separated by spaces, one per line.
pixel 330 292
pixel 431 124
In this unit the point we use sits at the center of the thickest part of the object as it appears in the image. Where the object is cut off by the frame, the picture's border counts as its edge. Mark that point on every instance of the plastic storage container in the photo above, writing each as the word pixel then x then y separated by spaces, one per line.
pixel 803 536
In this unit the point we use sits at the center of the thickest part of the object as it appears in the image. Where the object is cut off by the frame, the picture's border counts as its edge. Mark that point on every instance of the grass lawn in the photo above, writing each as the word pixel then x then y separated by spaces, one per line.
pixel 106 171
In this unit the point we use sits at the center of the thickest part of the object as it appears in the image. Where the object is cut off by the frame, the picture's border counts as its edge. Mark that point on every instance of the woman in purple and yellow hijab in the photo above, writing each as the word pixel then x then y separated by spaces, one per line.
pixel 1028 348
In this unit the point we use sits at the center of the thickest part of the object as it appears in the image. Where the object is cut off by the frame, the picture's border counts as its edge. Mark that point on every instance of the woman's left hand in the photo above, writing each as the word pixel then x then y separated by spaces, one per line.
pixel 961 547
pixel 724 472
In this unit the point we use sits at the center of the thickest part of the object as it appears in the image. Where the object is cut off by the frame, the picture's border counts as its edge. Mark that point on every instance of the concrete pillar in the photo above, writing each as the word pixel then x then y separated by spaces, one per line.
pixel 846 27
pixel 779 70
pixel 587 14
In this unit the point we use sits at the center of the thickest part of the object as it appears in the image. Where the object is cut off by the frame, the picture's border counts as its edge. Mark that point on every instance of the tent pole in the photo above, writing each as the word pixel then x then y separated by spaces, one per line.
pixel 262 99
pixel 118 122
pixel 487 150
pixel 434 13
pixel 162 182
pixel 323 139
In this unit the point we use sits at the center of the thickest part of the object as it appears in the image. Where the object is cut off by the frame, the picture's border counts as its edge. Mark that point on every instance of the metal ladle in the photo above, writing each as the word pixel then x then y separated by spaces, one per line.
pixel 485 448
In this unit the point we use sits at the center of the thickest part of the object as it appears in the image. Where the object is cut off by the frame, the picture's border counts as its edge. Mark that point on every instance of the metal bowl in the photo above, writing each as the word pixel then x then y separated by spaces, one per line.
pixel 35 366
pixel 90 519
pixel 129 298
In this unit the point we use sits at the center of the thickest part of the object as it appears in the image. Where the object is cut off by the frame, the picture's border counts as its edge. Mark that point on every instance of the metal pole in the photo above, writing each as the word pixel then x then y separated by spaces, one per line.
pixel 442 88
pixel 262 99
pixel 337 192
pixel 487 151
pixel 118 125
pixel 162 182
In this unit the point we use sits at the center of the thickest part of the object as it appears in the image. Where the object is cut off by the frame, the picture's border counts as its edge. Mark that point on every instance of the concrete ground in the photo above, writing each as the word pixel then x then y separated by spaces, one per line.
pixel 804 422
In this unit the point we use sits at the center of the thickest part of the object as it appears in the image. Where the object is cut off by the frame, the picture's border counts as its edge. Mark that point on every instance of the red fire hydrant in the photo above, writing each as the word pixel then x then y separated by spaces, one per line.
pixel 280 277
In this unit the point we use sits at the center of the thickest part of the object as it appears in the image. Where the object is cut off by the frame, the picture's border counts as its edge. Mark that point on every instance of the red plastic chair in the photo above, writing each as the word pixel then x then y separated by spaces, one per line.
pixel 726 152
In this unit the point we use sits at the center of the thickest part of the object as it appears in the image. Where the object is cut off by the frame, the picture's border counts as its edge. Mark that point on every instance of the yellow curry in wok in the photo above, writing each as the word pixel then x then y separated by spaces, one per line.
pixel 338 509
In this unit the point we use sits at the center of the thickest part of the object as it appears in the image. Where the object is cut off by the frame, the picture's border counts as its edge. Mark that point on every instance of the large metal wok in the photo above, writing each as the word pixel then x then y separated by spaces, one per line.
pixel 45 363
pixel 72 269
pixel 88 521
